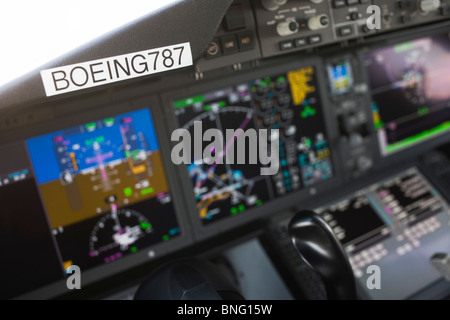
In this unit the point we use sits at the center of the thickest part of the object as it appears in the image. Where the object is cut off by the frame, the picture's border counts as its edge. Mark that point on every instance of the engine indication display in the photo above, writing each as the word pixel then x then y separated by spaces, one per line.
pixel 104 188
pixel 288 102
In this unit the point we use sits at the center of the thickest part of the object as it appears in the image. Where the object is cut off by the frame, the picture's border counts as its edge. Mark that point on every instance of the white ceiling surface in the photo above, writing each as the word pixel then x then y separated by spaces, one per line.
pixel 35 32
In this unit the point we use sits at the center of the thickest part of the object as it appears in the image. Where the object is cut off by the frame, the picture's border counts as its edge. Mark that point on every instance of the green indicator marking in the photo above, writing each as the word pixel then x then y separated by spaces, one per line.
pixel 90 126
pixel 259 202
pixel 379 125
pixel 100 139
pixel 146 226
pixel 89 142
pixel 281 79
pixel 108 122
pixel 207 107
pixel 308 142
pixel 222 104
pixel 127 154
pixel 146 191
pixel 134 154
pixel 241 207
pixel 423 111
pixel 419 137
pixel 404 47
pixel 188 102
pixel 233 211
pixel 133 249
pixel 128 192
pixel 165 237
pixel 308 112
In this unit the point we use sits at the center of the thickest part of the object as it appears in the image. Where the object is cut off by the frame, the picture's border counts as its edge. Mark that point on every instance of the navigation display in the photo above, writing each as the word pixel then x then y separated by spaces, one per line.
pixel 409 84
pixel 104 188
pixel 288 102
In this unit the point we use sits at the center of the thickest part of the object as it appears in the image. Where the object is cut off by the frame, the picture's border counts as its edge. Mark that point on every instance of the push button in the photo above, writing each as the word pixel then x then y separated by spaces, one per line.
pixel 315 39
pixel 229 44
pixel 245 41
pixel 300 42
pixel 338 4
pixel 345 31
pixel 286 45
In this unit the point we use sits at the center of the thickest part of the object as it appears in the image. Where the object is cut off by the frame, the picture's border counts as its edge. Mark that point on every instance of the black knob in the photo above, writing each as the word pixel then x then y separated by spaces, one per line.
pixel 354 16
pixel 321 250
pixel 293 26
pixel 324 21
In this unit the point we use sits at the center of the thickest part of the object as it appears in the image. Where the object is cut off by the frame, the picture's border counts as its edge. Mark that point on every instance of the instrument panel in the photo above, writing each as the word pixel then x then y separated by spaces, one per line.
pixel 144 176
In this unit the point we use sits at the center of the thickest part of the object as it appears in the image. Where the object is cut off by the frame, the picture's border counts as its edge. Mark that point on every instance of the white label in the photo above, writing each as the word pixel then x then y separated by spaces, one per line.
pixel 94 73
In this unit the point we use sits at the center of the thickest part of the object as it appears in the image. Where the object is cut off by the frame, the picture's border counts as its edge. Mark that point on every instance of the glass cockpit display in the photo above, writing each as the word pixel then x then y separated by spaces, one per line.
pixel 104 188
pixel 288 102
pixel 409 84
pixel 340 75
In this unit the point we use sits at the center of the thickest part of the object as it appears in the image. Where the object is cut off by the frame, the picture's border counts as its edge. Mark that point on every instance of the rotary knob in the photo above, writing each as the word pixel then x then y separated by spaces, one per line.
pixel 287 28
pixel 318 22
pixel 272 5
pixel 429 5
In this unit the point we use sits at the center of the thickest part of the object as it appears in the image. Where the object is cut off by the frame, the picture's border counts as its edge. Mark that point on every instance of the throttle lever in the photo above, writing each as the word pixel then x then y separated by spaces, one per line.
pixel 319 248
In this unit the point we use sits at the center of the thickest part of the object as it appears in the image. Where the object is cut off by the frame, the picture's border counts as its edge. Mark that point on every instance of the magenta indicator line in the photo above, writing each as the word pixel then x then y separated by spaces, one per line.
pixel 102 168
pixel 127 120
pixel 101 157
pixel 229 144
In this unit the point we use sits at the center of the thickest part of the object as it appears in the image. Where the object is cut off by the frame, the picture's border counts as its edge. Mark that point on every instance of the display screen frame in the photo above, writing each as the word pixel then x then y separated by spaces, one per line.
pixel 97 273
pixel 283 203
pixel 429 143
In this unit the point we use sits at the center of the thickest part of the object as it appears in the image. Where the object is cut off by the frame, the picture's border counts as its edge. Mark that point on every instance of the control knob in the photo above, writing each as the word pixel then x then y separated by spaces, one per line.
pixel 429 5
pixel 272 5
pixel 286 28
pixel 318 22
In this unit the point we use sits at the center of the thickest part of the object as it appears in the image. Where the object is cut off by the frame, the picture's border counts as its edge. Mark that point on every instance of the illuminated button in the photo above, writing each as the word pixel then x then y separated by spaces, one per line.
pixel 345 31
pixel 229 44
pixel 213 50
pixel 338 4
pixel 300 42
pixel 245 41
pixel 286 45
pixel 315 39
